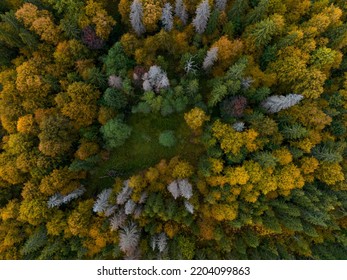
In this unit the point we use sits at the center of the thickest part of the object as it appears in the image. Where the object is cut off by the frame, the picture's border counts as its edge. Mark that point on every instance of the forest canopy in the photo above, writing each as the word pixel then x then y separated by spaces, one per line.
pixel 173 129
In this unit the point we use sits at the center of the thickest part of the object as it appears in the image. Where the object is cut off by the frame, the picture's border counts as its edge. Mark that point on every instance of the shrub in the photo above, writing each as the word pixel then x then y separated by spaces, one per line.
pixel 167 138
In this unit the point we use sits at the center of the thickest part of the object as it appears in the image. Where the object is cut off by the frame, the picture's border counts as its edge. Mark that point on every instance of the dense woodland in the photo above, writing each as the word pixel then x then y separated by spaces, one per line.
pixel 173 129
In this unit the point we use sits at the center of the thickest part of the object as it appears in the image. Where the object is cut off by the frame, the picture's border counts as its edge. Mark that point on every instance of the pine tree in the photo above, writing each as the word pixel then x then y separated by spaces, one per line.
pixel 221 4
pixel 185 188
pixel 174 189
pixel 210 58
pixel 189 207
pixel 161 242
pixel 118 220
pixel 239 126
pixel 166 17
pixel 181 11
pixel 266 159
pixel 115 82
pixel 246 82
pixel 271 222
pixel 143 198
pixel 155 79
pixel 136 15
pixel 190 66
pixel 154 242
pixel 114 98
pixel 129 238
pixel 110 210
pixel 294 131
pixel 138 211
pixel 276 103
pixel 101 204
pixel 264 31
pixel 117 61
pixel 36 241
pixel 73 195
pixel 218 93
pixel 129 207
pixel 58 199
pixel 212 24
pixel 125 193
pixel 329 152
pixel 55 200
pixel 202 15
pixel 251 238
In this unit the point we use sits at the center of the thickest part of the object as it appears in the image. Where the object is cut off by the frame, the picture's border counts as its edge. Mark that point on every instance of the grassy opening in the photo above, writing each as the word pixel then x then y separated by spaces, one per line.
pixel 143 149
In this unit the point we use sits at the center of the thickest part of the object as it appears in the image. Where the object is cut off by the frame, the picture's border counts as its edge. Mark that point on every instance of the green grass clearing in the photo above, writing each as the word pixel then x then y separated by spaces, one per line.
pixel 143 150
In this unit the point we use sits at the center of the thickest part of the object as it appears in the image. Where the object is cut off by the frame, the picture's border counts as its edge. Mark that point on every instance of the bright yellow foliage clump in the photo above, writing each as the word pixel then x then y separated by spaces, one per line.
pixel 283 156
pixel 232 141
pixel 79 219
pixel 254 170
pixel 330 173
pixel 216 181
pixel 182 169
pixel 97 15
pixel 152 174
pixel 30 78
pixel 305 144
pixel 216 165
pixel 57 223
pixel 224 212
pixel 26 124
pixel 237 175
pixel 268 182
pixel 249 193
pixel 309 165
pixel 195 118
pixel 151 14
pixel 39 21
pixel 289 177
pixel 10 211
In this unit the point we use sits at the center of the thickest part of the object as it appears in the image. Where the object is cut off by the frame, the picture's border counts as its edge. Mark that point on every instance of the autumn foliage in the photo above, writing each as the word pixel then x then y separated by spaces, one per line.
pixel 146 129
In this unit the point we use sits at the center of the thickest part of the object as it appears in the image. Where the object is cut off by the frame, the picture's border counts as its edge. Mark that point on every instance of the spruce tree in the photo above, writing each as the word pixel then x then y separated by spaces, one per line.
pixel 129 207
pixel 210 58
pixel 101 204
pixel 118 220
pixel 221 4
pixel 181 11
pixel 136 15
pixel 36 241
pixel 276 103
pixel 201 18
pixel 129 238
pixel 166 17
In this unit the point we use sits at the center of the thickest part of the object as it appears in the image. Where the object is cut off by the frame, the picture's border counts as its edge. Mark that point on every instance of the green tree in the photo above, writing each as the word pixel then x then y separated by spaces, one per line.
pixel 116 61
pixel 167 138
pixel 115 133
